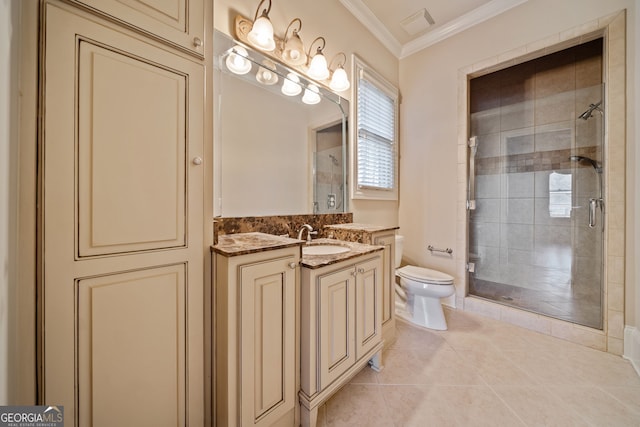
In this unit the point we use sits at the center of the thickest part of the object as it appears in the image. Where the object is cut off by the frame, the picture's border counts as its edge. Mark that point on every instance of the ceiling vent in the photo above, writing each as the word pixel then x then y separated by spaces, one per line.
pixel 417 22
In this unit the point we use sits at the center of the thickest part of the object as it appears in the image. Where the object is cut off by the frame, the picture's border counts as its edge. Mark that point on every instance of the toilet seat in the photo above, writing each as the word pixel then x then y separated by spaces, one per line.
pixel 424 275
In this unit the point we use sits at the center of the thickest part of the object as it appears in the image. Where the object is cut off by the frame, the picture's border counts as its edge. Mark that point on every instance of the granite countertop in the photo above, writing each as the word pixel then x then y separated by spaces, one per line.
pixel 355 249
pixel 367 228
pixel 248 243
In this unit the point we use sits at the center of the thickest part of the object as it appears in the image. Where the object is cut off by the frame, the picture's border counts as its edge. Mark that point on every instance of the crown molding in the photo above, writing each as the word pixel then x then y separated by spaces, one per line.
pixel 373 24
pixel 455 26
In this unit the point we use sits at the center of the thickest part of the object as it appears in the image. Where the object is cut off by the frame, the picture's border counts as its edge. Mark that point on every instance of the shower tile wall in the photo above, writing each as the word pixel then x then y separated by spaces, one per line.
pixel 525 121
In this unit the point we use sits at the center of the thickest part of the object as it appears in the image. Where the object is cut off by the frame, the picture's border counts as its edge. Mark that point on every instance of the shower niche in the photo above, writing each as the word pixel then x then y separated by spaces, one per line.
pixel 537 205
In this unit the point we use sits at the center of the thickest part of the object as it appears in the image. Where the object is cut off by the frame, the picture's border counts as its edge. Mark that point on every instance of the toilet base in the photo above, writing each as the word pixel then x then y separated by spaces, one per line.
pixel 422 311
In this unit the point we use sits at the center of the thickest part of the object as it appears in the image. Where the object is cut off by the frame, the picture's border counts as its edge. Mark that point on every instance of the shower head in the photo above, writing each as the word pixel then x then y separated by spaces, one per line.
pixel 589 112
pixel 592 162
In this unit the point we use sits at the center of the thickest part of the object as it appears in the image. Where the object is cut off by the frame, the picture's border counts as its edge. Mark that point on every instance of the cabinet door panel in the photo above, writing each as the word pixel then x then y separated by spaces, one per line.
pixel 179 22
pixel 337 317
pixel 267 329
pixel 368 309
pixel 132 353
pixel 388 276
pixel 124 205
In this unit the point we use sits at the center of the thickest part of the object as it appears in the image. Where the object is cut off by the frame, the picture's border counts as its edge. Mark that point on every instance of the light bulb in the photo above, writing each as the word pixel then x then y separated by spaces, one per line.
pixel 311 95
pixel 318 68
pixel 293 52
pixel 339 80
pixel 237 61
pixel 266 75
pixel 261 35
pixel 291 85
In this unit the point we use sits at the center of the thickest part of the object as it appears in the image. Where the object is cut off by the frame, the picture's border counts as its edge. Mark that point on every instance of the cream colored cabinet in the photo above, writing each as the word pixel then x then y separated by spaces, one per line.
pixel 336 324
pixel 341 327
pixel 369 296
pixel 388 240
pixel 256 345
pixel 379 236
pixel 121 237
pixel 177 22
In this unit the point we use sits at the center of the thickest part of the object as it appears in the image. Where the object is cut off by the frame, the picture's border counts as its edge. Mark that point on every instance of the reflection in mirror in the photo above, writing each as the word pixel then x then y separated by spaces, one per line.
pixel 274 154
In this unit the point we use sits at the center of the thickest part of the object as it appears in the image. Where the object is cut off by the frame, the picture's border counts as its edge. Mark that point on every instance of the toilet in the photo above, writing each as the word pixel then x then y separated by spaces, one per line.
pixel 419 291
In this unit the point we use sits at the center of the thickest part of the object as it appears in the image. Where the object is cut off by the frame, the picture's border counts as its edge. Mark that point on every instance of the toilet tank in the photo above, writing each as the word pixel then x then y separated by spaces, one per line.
pixel 399 247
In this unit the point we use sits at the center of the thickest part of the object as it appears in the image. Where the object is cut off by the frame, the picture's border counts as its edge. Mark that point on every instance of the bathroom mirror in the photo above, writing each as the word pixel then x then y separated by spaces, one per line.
pixel 274 154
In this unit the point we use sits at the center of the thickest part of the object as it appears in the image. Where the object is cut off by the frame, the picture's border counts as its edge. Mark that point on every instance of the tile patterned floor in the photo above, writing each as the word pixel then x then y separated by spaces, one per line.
pixel 550 300
pixel 483 372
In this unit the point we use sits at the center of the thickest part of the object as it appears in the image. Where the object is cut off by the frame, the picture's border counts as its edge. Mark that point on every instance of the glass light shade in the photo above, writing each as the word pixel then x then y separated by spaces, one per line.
pixel 339 80
pixel 266 74
pixel 293 52
pixel 318 69
pixel 291 85
pixel 311 95
pixel 237 61
pixel 261 35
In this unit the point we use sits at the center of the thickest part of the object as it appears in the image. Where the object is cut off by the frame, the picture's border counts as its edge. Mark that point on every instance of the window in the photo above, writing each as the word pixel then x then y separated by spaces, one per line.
pixel 376 135
pixel 559 195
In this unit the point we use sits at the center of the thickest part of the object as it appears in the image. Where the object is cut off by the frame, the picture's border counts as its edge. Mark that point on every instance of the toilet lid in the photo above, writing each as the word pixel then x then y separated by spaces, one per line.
pixel 424 275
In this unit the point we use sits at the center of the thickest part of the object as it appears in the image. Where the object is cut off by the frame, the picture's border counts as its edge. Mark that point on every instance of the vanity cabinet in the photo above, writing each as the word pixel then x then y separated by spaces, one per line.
pixel 257 349
pixel 180 23
pixel 379 236
pixel 341 327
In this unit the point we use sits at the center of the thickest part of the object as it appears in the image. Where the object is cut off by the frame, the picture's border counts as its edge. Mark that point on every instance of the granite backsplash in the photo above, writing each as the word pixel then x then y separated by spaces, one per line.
pixel 279 224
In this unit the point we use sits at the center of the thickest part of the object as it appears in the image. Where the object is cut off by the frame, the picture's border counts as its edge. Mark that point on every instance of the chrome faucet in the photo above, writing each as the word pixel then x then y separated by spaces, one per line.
pixel 309 232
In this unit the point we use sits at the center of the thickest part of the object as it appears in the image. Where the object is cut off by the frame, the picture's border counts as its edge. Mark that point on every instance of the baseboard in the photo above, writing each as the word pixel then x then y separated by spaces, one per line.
pixel 632 346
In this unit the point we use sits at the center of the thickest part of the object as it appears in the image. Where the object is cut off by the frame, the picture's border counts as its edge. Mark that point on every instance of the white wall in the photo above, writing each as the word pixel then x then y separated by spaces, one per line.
pixel 430 122
pixel 9 15
pixel 343 33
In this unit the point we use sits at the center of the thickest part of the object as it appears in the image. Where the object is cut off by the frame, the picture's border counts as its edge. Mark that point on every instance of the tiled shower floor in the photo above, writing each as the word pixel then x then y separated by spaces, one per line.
pixel 559 303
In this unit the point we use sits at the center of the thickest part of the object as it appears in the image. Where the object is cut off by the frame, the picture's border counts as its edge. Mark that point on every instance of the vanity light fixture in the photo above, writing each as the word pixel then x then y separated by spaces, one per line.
pixel 290 53
pixel 291 85
pixel 311 95
pixel 237 61
pixel 293 48
pixel 339 80
pixel 267 73
pixel 318 69
pixel 261 34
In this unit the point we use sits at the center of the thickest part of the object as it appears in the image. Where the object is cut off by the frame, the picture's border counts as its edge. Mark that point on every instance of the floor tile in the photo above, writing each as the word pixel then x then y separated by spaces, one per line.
pixel 483 372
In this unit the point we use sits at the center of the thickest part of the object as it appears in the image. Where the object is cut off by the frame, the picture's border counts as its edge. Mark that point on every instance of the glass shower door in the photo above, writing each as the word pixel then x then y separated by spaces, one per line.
pixel 536 202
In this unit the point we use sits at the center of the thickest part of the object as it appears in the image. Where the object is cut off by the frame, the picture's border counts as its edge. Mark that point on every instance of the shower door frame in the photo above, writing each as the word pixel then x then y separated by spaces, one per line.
pixel 612 29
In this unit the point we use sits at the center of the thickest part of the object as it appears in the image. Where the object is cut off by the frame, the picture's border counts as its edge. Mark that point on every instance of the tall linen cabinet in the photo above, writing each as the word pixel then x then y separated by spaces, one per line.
pixel 122 212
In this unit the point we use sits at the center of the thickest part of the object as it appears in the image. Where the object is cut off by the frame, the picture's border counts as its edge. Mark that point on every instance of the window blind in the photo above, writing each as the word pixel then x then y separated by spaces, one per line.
pixel 376 137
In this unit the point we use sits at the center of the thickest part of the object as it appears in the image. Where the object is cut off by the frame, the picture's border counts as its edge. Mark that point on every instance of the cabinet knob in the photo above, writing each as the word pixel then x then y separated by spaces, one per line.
pixel 197 42
pixel 197 160
pixel 361 270
pixel 292 265
pixel 354 273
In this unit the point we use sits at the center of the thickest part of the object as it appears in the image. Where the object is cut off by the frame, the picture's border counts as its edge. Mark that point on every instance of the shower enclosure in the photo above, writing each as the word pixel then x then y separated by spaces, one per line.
pixel 536 201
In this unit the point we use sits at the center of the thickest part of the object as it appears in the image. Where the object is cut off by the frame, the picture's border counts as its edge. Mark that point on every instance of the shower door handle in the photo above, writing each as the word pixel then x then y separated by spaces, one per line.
pixel 593 204
pixel 471 190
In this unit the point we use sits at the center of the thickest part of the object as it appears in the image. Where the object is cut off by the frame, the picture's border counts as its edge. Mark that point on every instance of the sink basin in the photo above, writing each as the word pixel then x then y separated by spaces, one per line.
pixel 324 249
